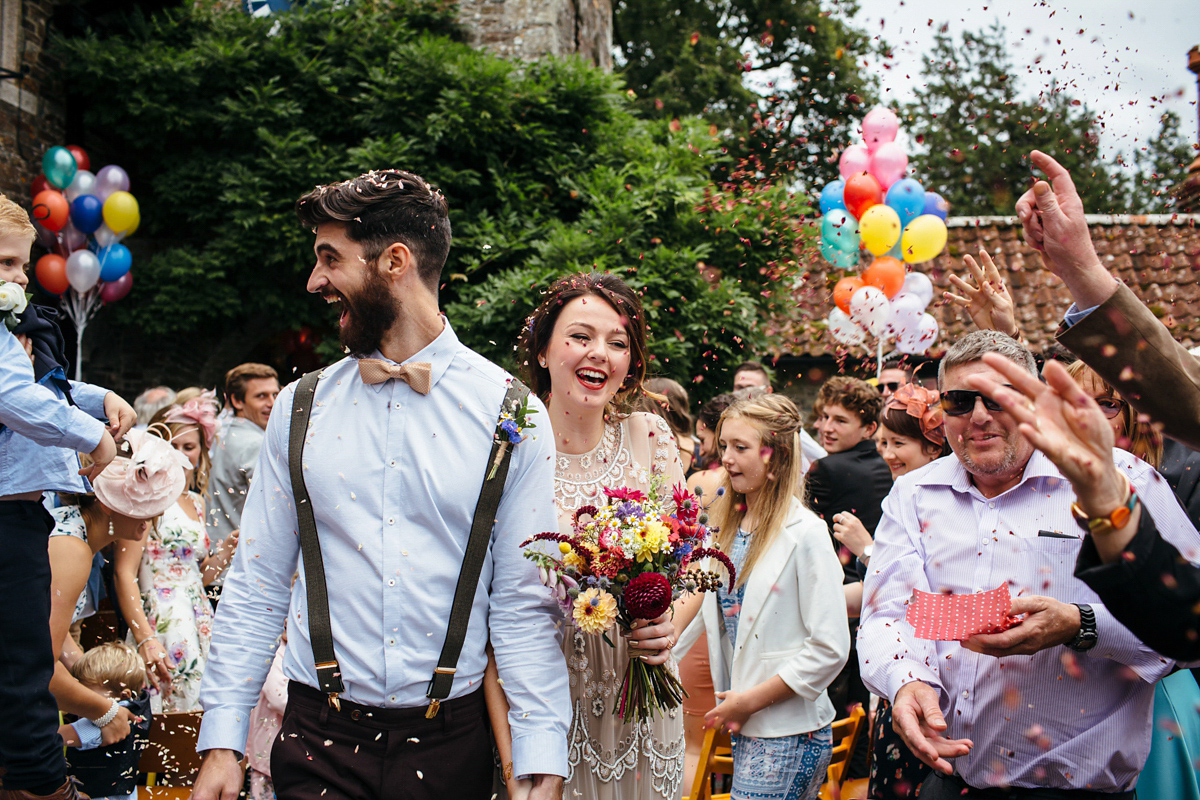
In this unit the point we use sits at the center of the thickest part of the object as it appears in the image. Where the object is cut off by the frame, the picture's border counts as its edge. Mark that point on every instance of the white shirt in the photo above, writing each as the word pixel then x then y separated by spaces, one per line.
pixel 939 533
pixel 394 477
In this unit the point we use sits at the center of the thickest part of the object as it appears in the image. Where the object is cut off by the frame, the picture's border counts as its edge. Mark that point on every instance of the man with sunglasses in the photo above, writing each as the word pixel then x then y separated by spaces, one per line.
pixel 1056 707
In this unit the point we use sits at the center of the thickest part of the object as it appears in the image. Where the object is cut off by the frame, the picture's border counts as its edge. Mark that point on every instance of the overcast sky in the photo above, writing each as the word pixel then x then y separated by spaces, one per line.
pixel 1117 57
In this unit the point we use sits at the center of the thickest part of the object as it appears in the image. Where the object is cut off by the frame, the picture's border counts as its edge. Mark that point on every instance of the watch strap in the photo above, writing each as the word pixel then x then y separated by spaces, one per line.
pixel 1085 638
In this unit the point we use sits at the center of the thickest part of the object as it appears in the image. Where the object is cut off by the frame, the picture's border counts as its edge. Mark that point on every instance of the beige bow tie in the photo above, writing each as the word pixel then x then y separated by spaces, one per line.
pixel 418 375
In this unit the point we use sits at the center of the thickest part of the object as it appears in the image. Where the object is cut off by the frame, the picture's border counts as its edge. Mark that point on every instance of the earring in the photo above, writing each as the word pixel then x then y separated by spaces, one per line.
pixel 542 362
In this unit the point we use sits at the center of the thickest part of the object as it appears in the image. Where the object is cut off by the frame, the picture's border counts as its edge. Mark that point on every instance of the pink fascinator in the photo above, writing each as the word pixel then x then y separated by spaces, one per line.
pixel 201 411
pixel 145 483
pixel 925 405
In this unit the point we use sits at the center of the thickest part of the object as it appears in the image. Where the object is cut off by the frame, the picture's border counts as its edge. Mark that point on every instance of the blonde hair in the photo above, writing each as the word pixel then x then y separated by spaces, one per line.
pixel 169 430
pixel 112 665
pixel 1143 440
pixel 778 422
pixel 14 220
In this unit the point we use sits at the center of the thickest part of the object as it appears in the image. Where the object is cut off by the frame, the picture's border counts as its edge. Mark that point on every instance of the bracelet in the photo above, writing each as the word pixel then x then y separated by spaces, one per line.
pixel 108 717
pixel 138 646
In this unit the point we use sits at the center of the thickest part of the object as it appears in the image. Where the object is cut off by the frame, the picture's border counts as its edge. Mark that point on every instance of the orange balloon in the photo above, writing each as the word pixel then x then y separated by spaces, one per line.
pixel 844 288
pixel 51 209
pixel 886 274
pixel 51 272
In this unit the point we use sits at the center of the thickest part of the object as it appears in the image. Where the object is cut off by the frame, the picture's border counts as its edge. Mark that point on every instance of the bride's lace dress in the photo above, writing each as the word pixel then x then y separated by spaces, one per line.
pixel 611 760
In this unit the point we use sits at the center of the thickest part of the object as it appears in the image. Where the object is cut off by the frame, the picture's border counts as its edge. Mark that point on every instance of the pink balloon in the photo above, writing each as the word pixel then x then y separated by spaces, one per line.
pixel 855 159
pixel 879 126
pixel 888 163
pixel 116 290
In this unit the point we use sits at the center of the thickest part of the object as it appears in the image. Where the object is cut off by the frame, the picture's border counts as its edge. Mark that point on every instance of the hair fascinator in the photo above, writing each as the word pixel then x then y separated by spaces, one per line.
pixel 143 484
pixel 925 405
pixel 200 411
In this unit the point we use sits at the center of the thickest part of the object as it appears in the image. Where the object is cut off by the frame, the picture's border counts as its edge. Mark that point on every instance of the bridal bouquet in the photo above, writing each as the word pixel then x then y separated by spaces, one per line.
pixel 627 561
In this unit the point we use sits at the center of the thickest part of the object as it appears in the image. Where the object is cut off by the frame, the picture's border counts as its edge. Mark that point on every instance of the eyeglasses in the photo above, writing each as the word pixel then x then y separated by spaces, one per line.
pixel 891 386
pixel 959 402
pixel 1110 406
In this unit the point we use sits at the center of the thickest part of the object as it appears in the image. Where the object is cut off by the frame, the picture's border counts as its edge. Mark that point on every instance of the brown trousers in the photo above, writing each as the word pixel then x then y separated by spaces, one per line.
pixel 364 753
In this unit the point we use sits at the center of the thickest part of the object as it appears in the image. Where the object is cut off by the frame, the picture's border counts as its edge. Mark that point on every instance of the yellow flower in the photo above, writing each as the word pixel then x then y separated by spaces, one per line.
pixel 595 611
pixel 654 538
pixel 575 561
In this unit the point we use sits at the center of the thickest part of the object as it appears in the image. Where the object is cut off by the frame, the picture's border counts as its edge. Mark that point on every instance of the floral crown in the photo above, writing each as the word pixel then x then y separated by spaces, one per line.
pixel 202 411
pixel 925 405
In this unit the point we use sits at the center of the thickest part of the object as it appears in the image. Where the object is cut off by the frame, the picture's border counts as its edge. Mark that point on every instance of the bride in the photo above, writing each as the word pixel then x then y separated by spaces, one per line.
pixel 585 352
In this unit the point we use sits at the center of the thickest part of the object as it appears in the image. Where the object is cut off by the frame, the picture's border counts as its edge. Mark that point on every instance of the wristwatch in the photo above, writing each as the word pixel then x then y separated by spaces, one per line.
pixel 866 553
pixel 1113 521
pixel 1085 639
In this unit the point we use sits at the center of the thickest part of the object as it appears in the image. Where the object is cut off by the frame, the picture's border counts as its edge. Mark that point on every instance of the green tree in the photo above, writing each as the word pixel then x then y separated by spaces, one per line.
pixel 1159 167
pixel 974 130
pixel 780 78
pixel 224 120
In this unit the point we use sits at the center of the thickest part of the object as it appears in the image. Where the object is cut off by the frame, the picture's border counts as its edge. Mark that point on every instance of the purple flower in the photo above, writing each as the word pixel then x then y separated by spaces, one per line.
pixel 509 427
pixel 630 509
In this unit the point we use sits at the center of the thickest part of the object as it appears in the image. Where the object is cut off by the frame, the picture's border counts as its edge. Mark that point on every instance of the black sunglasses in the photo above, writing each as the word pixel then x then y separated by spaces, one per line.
pixel 959 402
pixel 891 386
pixel 1110 406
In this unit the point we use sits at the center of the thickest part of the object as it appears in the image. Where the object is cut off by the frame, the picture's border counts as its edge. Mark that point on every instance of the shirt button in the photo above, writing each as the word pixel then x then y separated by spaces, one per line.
pixel 991 505
pixel 393 698
pixel 398 405
pixel 392 642
pixel 392 463
pixel 966 694
pixel 391 520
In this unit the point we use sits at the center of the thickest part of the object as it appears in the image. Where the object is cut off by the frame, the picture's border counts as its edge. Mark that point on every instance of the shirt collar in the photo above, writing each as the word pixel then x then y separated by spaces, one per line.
pixel 439 353
pixel 950 472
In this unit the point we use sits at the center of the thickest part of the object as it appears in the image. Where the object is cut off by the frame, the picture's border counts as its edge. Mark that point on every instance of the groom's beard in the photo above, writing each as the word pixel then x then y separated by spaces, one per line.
pixel 371 311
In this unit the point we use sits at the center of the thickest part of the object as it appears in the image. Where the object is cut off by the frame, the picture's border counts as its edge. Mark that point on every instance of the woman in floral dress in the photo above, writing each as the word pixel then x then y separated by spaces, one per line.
pixel 160 582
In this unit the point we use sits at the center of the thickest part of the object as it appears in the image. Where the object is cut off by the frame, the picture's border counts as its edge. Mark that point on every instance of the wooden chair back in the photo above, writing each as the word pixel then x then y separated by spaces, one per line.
pixel 170 759
pixel 845 736
pixel 716 758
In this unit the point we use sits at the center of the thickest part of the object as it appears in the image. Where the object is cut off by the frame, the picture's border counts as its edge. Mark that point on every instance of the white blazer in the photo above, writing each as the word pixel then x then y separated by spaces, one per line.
pixel 792 624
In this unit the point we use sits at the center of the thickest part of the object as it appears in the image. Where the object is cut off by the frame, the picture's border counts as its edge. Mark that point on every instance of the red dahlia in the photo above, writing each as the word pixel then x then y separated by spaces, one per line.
pixel 648 596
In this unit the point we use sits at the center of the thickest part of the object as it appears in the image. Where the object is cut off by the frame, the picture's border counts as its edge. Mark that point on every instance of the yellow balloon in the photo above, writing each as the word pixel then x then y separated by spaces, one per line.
pixel 121 212
pixel 923 238
pixel 879 229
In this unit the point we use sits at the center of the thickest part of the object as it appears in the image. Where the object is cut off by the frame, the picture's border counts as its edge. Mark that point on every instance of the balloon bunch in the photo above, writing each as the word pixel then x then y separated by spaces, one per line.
pixel 874 207
pixel 81 218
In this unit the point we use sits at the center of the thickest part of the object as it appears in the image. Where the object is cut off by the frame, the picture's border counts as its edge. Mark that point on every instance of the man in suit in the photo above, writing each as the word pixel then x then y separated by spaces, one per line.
pixel 852 478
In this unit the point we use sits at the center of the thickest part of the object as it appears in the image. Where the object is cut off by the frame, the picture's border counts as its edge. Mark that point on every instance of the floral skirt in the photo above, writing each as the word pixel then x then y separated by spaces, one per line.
pixel 181 617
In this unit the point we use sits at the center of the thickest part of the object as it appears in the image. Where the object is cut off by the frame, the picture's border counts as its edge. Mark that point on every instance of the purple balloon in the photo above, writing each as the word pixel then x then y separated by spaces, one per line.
pixel 936 204
pixel 112 292
pixel 47 239
pixel 111 179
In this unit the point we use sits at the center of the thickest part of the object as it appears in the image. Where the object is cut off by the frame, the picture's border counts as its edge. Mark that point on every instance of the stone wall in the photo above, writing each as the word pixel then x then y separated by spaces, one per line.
pixel 32 117
pixel 530 29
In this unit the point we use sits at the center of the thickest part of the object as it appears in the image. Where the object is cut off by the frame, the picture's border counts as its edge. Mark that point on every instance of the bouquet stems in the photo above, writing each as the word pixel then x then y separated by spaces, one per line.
pixel 646 690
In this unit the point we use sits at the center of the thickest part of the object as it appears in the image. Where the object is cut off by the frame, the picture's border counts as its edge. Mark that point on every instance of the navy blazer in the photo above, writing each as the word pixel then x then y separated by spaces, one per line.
pixel 854 480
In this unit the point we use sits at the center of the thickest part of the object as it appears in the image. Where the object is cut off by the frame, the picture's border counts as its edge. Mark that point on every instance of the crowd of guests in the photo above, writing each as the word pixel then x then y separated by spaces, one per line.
pixel 329 542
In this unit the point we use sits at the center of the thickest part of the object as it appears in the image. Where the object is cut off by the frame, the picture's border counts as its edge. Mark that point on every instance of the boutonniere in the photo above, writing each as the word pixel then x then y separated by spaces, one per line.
pixel 13 300
pixel 511 429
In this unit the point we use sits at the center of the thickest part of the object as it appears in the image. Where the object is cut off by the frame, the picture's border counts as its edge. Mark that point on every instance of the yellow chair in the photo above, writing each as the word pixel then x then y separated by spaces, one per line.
pixel 845 737
pixel 170 759
pixel 716 758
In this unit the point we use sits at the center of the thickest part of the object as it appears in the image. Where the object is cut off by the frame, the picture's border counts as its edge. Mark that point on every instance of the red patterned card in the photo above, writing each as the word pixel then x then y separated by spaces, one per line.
pixel 954 617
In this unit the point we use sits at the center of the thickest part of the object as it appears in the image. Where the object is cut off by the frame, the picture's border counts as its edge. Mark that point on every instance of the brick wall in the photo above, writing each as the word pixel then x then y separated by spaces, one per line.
pixel 530 29
pixel 32 115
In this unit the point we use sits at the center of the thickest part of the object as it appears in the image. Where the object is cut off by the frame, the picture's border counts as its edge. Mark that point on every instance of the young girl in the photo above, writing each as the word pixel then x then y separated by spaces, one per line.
pixel 779 635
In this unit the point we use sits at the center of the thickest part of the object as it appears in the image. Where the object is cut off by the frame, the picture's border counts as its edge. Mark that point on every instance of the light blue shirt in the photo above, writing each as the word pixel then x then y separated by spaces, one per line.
pixel 394 477
pixel 42 434
pixel 1075 314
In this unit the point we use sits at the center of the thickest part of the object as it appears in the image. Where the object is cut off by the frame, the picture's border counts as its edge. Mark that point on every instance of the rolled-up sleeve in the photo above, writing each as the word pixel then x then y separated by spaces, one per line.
pixel 525 623
pixel 34 411
pixel 255 599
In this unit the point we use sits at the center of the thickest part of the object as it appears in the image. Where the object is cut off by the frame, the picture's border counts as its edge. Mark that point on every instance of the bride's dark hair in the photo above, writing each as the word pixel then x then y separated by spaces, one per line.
pixel 535 337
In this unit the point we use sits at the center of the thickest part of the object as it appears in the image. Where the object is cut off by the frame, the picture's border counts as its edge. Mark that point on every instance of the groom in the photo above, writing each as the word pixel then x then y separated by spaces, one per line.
pixel 393 467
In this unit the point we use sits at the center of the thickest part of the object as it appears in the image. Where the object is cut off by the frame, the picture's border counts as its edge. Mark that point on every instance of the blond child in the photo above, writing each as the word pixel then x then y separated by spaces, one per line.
pixel 115 670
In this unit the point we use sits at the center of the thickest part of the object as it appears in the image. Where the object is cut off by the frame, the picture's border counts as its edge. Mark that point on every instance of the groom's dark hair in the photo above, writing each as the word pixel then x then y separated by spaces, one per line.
pixel 382 207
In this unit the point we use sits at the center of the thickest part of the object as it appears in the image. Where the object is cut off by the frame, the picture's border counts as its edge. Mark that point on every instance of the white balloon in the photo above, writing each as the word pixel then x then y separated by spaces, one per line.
pixel 71 237
pixel 83 270
pixel 906 311
pixel 869 307
pixel 921 339
pixel 844 329
pixel 918 283
pixel 83 183
pixel 104 235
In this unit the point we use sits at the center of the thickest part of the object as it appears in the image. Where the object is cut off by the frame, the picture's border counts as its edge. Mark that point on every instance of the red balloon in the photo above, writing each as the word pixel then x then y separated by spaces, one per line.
pixel 862 191
pixel 39 185
pixel 81 157
pixel 51 272
pixel 886 274
pixel 116 290
pixel 843 289
pixel 51 209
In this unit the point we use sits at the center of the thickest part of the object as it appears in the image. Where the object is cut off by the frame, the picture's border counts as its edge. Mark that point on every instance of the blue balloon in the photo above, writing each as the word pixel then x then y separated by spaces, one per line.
pixel 115 261
pixel 831 196
pixel 837 256
pixel 907 198
pixel 87 212
pixel 840 229
pixel 936 204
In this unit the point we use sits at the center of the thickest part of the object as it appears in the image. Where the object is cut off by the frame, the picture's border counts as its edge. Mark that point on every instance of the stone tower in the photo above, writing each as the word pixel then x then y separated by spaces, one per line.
pixel 1189 191
pixel 530 29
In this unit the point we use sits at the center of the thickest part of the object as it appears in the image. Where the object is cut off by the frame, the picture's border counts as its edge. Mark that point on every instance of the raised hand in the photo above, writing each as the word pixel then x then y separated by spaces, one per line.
pixel 988 300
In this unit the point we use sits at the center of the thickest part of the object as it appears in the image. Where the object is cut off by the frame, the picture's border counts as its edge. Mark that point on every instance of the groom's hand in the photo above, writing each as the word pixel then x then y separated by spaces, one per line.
pixel 546 787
